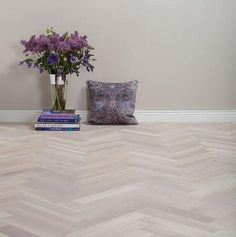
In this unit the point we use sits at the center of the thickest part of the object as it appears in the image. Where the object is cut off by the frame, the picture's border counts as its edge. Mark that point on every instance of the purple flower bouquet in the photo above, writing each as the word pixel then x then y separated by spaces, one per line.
pixel 59 55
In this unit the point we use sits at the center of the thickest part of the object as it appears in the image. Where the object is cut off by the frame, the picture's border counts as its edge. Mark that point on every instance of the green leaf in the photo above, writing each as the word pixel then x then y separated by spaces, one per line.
pixel 65 35
pixel 29 60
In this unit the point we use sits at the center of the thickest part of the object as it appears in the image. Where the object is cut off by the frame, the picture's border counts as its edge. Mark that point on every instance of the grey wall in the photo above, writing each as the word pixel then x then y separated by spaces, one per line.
pixel 183 52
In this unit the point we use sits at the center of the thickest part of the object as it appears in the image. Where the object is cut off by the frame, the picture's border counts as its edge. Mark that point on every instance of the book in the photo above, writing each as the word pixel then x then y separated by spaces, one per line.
pixel 57 129
pixel 57 125
pixel 58 116
pixel 66 114
pixel 75 119
pixel 50 111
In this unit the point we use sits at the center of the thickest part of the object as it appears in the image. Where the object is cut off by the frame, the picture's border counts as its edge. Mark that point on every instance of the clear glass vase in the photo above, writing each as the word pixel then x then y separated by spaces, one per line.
pixel 58 91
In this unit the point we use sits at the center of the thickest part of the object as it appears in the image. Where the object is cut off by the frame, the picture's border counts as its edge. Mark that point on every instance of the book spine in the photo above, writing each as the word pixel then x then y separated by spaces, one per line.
pixel 41 120
pixel 56 125
pixel 74 119
pixel 57 117
pixel 67 111
pixel 57 129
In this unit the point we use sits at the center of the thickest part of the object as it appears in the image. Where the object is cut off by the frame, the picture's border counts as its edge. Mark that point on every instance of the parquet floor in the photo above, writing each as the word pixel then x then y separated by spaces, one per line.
pixel 163 180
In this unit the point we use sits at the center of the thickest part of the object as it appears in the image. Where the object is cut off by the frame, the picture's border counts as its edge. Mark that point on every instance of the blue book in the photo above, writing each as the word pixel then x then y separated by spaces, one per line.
pixel 58 129
pixel 75 119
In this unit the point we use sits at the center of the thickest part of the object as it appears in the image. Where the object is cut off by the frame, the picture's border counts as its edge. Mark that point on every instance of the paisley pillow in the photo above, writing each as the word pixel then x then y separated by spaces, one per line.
pixel 112 103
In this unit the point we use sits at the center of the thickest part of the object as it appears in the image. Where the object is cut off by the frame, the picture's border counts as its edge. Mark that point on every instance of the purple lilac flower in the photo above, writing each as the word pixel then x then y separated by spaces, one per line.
pixel 52 59
pixel 23 42
pixel 30 45
pixel 42 43
pixel 72 43
pixel 63 46
pixel 77 42
pixel 54 41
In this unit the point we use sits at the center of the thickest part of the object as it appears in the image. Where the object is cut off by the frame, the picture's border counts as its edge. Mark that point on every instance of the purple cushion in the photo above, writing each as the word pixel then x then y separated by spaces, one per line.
pixel 112 103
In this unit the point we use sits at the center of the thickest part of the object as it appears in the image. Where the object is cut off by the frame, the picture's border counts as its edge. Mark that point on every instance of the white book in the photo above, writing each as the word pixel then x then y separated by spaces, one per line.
pixel 56 125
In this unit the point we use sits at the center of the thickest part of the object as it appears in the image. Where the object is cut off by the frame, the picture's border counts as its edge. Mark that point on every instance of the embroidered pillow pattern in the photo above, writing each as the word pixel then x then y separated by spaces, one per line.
pixel 112 103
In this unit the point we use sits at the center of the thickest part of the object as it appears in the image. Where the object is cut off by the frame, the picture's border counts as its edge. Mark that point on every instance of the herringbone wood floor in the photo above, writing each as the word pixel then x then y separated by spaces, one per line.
pixel 167 180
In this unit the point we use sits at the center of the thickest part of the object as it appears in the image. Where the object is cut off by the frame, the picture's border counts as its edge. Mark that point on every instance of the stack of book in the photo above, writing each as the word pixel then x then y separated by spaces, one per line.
pixel 50 120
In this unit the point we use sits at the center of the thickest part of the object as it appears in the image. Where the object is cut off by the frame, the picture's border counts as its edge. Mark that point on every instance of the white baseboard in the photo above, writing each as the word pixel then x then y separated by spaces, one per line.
pixel 28 116
pixel 186 115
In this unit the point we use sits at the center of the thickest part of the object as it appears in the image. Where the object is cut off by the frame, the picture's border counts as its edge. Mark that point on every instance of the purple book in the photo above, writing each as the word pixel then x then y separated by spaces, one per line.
pixel 50 114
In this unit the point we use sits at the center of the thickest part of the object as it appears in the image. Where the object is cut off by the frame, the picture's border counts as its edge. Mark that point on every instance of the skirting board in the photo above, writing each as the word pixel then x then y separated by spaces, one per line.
pixel 28 116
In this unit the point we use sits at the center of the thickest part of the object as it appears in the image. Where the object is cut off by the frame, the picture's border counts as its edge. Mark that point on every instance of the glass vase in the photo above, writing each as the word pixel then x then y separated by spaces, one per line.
pixel 59 86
